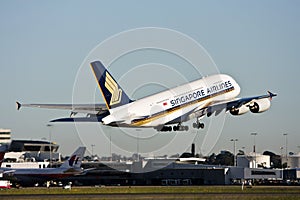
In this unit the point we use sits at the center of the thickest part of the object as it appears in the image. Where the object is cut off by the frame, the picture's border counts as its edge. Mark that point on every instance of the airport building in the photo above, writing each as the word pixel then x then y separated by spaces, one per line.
pixel 150 172
pixel 253 160
pixel 31 154
pixel 175 171
pixel 293 161
pixel 153 171
pixel 291 175
pixel 5 136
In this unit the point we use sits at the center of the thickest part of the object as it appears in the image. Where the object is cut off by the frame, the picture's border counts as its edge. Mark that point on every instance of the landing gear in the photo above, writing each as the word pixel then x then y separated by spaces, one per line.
pixel 166 128
pixel 198 125
pixel 178 127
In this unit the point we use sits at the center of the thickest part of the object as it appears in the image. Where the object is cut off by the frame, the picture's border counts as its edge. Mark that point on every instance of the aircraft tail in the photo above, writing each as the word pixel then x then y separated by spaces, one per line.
pixel 3 150
pixel 112 93
pixel 75 159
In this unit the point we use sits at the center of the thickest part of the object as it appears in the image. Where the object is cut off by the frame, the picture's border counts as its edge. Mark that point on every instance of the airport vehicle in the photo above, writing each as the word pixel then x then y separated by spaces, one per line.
pixel 70 167
pixel 164 111
pixel 4 184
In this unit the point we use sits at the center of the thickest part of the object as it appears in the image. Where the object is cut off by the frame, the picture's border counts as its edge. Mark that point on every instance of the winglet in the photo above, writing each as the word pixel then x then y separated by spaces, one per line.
pixel 271 95
pixel 18 105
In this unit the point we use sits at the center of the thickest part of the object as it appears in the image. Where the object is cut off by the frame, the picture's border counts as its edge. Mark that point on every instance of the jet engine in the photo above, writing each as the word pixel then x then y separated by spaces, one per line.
pixel 260 105
pixel 239 111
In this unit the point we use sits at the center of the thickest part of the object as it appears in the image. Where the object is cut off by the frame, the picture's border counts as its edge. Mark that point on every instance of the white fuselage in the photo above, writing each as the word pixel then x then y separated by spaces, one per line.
pixel 163 107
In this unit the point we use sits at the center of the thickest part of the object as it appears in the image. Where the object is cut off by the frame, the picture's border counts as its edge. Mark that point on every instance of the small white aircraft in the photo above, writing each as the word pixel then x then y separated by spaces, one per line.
pixel 193 100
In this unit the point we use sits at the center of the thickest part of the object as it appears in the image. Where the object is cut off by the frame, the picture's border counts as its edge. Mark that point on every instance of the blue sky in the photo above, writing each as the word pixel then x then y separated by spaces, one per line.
pixel 42 45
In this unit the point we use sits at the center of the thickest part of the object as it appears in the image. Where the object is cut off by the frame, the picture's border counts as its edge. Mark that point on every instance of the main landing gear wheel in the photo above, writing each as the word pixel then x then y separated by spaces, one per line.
pixel 175 128
pixel 180 128
pixel 166 128
pixel 198 125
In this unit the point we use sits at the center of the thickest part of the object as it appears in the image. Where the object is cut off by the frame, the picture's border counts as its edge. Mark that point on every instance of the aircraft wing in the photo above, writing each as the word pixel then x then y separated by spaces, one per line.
pixel 218 107
pixel 85 171
pixel 72 171
pixel 8 171
pixel 75 108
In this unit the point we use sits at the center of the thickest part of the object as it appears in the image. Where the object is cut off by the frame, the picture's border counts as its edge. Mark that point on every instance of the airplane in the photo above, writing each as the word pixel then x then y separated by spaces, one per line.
pixel 164 111
pixel 70 167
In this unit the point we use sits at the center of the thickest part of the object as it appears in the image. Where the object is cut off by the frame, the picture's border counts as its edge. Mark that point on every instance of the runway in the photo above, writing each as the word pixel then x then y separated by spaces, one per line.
pixel 157 196
pixel 144 192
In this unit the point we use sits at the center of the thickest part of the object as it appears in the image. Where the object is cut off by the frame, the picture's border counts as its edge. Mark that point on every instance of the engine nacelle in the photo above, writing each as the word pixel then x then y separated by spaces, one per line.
pixel 260 105
pixel 239 111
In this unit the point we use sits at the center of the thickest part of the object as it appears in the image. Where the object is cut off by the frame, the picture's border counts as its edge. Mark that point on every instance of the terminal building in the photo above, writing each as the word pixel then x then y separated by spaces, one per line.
pixel 293 161
pixel 150 172
pixel 293 172
pixel 31 154
pixel 173 171
pixel 253 160
pixel 5 136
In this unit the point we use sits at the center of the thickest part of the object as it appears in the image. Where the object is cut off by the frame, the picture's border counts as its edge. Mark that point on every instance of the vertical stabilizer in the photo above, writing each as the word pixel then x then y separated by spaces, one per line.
pixel 75 159
pixel 3 150
pixel 112 93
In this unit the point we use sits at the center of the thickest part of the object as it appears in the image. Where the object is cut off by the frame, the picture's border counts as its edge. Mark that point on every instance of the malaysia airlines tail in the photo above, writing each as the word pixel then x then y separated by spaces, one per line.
pixel 3 150
pixel 112 93
pixel 75 159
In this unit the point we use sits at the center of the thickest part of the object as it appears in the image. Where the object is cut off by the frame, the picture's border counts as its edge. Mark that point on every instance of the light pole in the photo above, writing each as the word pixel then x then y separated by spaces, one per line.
pixel 234 157
pixel 110 146
pixel 286 148
pixel 281 155
pixel 254 148
pixel 138 143
pixel 92 145
pixel 50 143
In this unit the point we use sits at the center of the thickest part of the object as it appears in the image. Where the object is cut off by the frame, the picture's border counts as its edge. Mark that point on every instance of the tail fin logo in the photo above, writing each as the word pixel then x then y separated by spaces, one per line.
pixel 1 157
pixel 71 160
pixel 112 87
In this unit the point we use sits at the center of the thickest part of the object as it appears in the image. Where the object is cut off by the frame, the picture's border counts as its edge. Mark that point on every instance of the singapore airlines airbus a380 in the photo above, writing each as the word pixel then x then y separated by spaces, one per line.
pixel 164 111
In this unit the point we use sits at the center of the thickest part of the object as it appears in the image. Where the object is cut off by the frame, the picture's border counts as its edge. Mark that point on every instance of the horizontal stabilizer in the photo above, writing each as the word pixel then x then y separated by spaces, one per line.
pixel 78 119
pixel 82 108
pixel 18 105
pixel 271 95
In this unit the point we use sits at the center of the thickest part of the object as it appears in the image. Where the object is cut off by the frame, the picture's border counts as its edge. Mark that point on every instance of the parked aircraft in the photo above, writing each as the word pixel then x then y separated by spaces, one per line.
pixel 70 167
pixel 164 111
